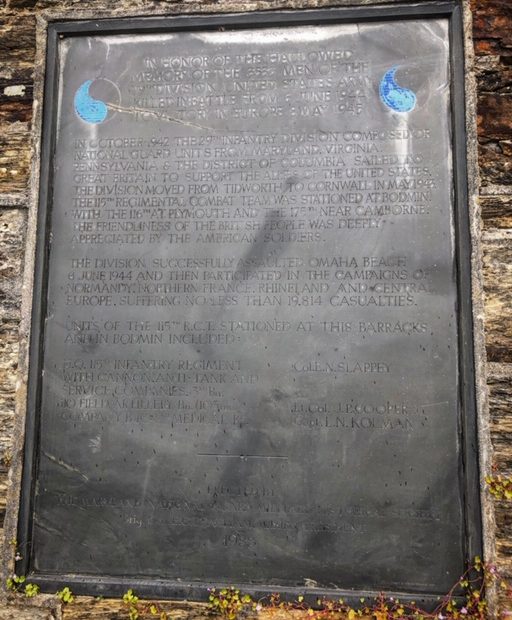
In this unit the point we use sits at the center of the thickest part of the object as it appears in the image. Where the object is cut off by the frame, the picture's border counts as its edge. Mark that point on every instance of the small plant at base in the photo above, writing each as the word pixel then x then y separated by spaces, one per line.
pixel 31 590
pixel 15 583
pixel 229 603
pixel 18 585
pixel 499 486
pixel 132 602
pixel 65 595
pixel 155 611
pixel 465 601
pixel 137 608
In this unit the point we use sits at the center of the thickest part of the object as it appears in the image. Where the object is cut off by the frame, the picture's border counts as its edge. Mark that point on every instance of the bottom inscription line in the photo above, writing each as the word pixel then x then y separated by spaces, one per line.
pixel 243 456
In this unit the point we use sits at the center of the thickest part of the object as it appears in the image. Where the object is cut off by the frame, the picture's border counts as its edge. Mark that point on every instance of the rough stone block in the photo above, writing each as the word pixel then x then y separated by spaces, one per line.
pixel 498 291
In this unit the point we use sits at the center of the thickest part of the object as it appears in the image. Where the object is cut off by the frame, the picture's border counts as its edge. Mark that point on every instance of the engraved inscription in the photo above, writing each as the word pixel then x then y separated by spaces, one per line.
pixel 250 353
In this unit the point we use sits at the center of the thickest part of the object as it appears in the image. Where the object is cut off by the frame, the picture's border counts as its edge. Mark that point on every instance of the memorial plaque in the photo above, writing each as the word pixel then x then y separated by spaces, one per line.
pixel 251 361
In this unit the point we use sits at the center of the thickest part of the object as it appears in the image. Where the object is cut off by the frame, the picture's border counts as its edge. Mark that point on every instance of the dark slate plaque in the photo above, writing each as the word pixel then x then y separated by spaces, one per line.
pixel 250 361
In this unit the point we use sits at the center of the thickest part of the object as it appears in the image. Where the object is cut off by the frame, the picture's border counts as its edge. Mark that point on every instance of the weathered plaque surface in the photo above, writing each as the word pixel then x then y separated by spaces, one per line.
pixel 250 357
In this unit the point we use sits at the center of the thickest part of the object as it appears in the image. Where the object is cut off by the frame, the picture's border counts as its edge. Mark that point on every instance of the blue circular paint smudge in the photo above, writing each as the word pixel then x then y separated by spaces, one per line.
pixel 396 97
pixel 88 109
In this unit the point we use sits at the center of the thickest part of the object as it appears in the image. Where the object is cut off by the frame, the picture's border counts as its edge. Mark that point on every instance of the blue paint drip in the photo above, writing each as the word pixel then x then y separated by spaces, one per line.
pixel 88 109
pixel 394 96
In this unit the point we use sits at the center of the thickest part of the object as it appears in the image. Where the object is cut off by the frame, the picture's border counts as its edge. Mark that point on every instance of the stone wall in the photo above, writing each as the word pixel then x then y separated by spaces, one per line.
pixel 492 29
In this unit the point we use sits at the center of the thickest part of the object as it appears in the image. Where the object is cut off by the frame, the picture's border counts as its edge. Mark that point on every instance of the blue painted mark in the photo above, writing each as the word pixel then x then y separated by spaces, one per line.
pixel 88 109
pixel 394 96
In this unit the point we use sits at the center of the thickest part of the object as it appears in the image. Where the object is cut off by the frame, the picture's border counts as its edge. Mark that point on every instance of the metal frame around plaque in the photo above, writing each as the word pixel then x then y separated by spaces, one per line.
pixel 116 585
